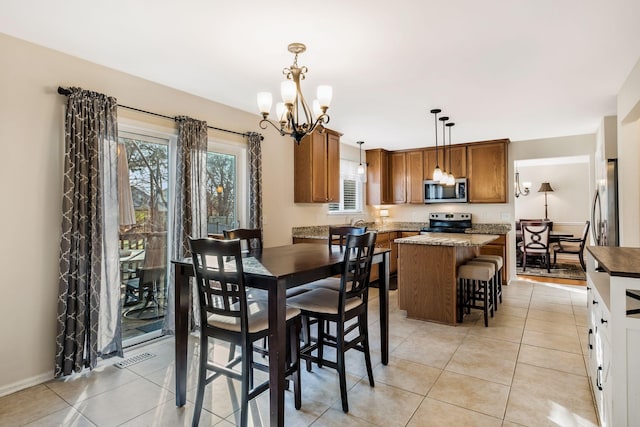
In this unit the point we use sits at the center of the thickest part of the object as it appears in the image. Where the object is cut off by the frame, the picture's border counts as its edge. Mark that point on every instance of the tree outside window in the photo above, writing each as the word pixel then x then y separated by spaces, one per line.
pixel 221 192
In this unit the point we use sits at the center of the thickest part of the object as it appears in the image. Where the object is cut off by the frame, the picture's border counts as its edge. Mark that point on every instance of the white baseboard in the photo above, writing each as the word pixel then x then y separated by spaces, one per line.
pixel 25 383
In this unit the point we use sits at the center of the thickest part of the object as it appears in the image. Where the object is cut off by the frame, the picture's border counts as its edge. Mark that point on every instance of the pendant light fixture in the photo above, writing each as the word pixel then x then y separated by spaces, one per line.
pixel 295 118
pixel 451 180
pixel 445 176
pixel 437 173
pixel 362 167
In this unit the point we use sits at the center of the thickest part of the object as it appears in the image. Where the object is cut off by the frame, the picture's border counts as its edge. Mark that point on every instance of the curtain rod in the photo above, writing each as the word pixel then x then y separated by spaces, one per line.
pixel 67 92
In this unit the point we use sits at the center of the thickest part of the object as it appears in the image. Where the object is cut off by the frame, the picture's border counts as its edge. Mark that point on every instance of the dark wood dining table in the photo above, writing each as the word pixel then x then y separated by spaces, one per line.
pixel 275 270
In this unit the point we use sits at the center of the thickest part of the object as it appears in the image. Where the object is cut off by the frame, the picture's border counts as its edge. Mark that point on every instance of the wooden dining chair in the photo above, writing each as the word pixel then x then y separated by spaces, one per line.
pixel 252 237
pixel 338 234
pixel 572 245
pixel 227 314
pixel 346 308
pixel 535 242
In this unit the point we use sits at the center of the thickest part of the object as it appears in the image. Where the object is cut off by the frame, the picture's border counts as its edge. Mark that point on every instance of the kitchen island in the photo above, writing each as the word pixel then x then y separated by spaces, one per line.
pixel 427 266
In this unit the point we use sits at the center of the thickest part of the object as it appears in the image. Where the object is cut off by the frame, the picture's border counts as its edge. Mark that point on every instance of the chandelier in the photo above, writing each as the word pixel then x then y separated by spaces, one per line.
pixel 526 185
pixel 295 118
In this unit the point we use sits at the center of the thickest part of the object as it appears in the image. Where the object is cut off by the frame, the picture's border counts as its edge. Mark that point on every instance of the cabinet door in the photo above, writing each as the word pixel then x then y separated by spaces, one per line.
pixel 317 168
pixel 378 177
pixel 430 161
pixel 458 161
pixel 398 177
pixel 333 168
pixel 487 172
pixel 319 163
pixel 415 177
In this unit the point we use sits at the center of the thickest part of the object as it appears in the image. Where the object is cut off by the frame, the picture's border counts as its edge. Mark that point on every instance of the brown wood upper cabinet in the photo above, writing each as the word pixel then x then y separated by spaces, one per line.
pixel 415 176
pixel 317 168
pixel 398 175
pixel 458 161
pixel 487 171
pixel 378 188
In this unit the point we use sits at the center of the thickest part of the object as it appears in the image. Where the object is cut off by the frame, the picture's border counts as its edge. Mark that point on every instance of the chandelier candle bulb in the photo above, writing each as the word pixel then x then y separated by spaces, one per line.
pixel 288 92
pixel 264 102
pixel 325 93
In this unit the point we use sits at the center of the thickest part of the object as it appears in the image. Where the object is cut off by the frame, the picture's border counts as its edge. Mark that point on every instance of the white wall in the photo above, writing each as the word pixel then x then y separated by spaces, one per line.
pixel 629 159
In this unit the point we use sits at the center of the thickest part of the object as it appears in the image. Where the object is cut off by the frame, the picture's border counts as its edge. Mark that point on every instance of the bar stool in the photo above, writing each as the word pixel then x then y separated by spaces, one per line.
pixel 475 281
pixel 497 280
pixel 494 287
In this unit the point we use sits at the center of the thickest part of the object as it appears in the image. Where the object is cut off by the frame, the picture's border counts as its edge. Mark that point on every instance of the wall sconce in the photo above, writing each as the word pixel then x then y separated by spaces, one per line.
pixel 526 186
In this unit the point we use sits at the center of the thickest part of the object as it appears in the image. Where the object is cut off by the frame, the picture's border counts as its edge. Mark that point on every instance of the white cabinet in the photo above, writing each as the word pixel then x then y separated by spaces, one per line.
pixel 614 337
pixel 599 348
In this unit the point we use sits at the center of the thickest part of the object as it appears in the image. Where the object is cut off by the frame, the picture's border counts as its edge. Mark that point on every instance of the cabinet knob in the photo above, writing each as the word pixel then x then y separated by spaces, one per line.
pixel 599 378
pixel 595 302
pixel 590 333
pixel 603 321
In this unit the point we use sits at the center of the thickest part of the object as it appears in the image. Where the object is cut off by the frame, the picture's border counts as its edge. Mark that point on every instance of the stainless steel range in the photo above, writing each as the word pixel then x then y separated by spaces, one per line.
pixel 448 222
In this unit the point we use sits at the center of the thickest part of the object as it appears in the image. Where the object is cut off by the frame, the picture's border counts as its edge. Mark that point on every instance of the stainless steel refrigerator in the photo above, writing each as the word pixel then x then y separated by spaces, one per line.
pixel 604 212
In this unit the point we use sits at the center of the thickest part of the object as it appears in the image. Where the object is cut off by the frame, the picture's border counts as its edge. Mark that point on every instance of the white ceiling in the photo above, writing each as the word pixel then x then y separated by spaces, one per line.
pixel 518 69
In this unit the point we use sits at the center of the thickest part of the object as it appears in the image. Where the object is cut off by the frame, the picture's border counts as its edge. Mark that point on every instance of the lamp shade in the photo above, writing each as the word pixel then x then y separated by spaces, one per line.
pixel 544 187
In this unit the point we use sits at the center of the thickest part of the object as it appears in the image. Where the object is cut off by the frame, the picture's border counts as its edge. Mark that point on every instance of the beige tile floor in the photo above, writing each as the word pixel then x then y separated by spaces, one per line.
pixel 526 369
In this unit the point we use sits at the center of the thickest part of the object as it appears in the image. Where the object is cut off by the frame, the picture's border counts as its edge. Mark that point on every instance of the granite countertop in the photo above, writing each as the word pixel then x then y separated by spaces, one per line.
pixel 322 231
pixel 501 228
pixel 448 239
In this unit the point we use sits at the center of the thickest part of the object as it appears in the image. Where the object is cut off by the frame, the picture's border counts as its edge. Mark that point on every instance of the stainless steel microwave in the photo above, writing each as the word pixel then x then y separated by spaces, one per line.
pixel 434 192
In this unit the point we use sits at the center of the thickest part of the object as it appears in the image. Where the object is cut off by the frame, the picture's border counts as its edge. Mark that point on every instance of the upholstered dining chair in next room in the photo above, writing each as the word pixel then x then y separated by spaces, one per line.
pixel 572 245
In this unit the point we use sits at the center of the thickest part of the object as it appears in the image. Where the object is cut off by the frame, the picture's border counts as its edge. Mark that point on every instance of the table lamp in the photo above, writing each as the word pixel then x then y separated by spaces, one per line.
pixel 544 188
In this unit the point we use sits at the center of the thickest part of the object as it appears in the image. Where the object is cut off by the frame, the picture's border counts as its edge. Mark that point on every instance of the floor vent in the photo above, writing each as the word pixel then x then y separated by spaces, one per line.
pixel 134 359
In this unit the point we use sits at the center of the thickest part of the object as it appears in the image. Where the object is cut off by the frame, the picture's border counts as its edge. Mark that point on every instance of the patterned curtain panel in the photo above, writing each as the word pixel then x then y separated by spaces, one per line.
pixel 190 203
pixel 255 179
pixel 89 276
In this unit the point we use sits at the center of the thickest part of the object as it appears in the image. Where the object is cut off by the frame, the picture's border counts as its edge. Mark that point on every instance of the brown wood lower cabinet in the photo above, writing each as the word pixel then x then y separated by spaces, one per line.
pixel 385 240
pixel 498 247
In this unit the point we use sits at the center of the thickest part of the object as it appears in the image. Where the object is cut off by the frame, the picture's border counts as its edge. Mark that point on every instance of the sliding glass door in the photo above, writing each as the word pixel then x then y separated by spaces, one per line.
pixel 145 190
pixel 143 187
